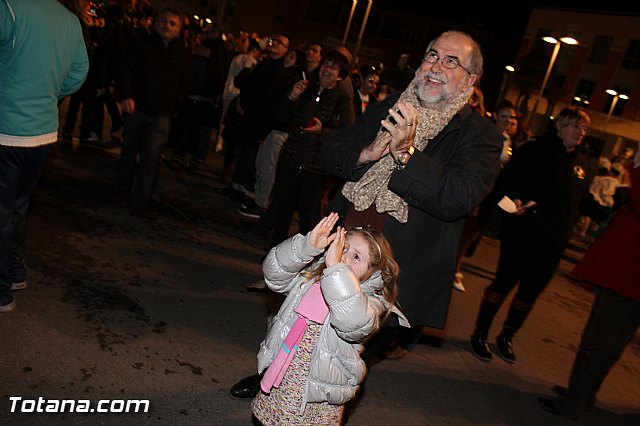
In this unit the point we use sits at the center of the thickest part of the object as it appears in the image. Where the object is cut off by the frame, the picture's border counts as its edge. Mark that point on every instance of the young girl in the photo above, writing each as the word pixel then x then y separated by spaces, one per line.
pixel 310 359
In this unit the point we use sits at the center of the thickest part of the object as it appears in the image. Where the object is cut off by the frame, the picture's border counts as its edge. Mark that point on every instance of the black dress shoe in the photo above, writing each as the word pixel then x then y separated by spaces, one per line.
pixel 548 405
pixel 480 348
pixel 247 387
pixel 505 349
pixel 561 391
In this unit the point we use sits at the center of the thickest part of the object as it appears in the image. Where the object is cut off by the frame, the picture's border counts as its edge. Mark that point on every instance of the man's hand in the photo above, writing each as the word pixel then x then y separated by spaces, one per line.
pixel 397 138
pixel 128 106
pixel 376 149
pixel 336 249
pixel 404 131
pixel 320 236
pixel 298 89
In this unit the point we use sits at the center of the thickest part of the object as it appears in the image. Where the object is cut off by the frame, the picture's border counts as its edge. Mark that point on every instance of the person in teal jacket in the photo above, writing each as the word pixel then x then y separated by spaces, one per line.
pixel 42 59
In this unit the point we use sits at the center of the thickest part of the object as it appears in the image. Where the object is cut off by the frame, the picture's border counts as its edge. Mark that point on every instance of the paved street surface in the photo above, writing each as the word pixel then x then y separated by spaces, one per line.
pixel 124 308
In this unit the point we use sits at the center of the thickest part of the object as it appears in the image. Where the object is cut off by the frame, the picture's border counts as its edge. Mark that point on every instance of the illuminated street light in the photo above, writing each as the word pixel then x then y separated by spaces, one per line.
pixel 506 80
pixel 196 17
pixel 208 20
pixel 346 31
pixel 615 95
pixel 580 100
pixel 361 34
pixel 554 55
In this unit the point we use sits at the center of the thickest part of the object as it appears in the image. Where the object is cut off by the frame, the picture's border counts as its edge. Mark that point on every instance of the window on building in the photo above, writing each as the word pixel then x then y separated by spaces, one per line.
pixel 585 89
pixel 600 49
pixel 631 58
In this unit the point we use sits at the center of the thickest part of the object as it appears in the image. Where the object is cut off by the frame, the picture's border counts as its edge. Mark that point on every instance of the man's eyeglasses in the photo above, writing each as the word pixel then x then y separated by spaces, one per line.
pixel 449 62
pixel 273 41
pixel 372 80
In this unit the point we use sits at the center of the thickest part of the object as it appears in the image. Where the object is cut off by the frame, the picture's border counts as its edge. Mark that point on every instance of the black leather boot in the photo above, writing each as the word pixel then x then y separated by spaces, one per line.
pixel 479 346
pixel 490 304
pixel 517 314
pixel 505 350
pixel 247 387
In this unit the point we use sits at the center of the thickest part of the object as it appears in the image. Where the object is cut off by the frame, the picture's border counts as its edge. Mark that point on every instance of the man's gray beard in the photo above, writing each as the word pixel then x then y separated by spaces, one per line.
pixel 430 101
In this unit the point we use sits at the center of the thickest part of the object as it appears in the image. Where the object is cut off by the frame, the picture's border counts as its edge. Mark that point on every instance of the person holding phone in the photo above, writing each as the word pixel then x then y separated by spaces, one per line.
pixel 318 109
pixel 418 180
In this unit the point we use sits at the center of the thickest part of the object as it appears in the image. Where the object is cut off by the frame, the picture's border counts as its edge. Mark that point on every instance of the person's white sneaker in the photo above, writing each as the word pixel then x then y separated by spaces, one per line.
pixel 457 282
pixel 8 307
pixel 19 286
pixel 259 285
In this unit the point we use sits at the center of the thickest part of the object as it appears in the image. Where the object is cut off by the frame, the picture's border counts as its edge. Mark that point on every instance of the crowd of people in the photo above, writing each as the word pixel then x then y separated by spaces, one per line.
pixel 394 175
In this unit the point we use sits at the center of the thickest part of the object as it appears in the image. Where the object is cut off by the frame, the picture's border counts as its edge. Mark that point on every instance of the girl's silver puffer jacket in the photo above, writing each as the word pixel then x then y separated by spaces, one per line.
pixel 355 311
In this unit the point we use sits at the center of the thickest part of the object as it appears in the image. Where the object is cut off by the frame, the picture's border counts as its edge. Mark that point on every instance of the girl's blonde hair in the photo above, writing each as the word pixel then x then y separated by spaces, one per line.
pixel 380 258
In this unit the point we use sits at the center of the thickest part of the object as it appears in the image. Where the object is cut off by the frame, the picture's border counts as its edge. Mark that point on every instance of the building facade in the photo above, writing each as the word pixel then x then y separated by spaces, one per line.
pixel 607 57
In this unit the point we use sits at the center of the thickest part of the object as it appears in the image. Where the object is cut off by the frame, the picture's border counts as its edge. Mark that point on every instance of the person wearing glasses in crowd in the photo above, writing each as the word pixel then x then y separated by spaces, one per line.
pixel 546 179
pixel 364 95
pixel 416 164
pixel 254 103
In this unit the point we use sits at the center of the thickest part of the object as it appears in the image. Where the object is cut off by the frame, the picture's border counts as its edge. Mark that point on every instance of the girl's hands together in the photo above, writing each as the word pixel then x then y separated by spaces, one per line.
pixel 320 236
pixel 336 249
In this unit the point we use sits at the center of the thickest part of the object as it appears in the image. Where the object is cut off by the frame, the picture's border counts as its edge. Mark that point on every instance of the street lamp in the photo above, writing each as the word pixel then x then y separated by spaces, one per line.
pixel 554 55
pixel 506 80
pixel 364 25
pixel 615 95
pixel 346 31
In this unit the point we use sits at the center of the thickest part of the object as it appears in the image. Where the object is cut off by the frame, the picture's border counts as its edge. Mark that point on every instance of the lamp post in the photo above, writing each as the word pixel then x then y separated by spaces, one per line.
pixel 364 24
pixel 346 31
pixel 221 11
pixel 616 96
pixel 506 80
pixel 554 55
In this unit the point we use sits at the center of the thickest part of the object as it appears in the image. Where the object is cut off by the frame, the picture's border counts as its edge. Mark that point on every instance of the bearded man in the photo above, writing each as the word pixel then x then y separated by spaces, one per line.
pixel 416 165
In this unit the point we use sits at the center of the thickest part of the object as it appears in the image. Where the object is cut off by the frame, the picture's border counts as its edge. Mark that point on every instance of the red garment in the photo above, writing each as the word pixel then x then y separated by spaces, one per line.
pixel 613 261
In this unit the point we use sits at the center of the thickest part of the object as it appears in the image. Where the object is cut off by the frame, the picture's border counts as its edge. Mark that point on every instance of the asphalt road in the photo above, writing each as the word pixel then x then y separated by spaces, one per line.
pixel 121 308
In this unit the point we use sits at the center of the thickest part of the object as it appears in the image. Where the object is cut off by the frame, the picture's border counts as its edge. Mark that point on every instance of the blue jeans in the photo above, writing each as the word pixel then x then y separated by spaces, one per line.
pixel 147 135
pixel 20 170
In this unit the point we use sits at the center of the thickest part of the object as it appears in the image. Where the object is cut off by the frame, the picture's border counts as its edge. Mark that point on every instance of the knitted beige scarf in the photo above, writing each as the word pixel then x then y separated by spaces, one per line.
pixel 373 186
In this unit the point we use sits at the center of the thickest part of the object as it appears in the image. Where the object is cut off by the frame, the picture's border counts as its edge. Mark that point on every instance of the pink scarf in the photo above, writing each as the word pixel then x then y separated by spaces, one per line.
pixel 312 307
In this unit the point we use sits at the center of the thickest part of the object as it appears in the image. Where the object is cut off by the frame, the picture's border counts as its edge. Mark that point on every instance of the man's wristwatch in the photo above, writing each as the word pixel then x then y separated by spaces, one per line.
pixel 404 157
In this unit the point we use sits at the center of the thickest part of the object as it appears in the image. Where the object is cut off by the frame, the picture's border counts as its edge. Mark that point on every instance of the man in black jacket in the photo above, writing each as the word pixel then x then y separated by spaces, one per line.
pixel 255 100
pixel 418 176
pixel 156 78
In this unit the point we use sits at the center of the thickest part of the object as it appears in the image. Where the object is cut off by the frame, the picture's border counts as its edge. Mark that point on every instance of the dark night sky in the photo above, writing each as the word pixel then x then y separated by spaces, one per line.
pixel 507 19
